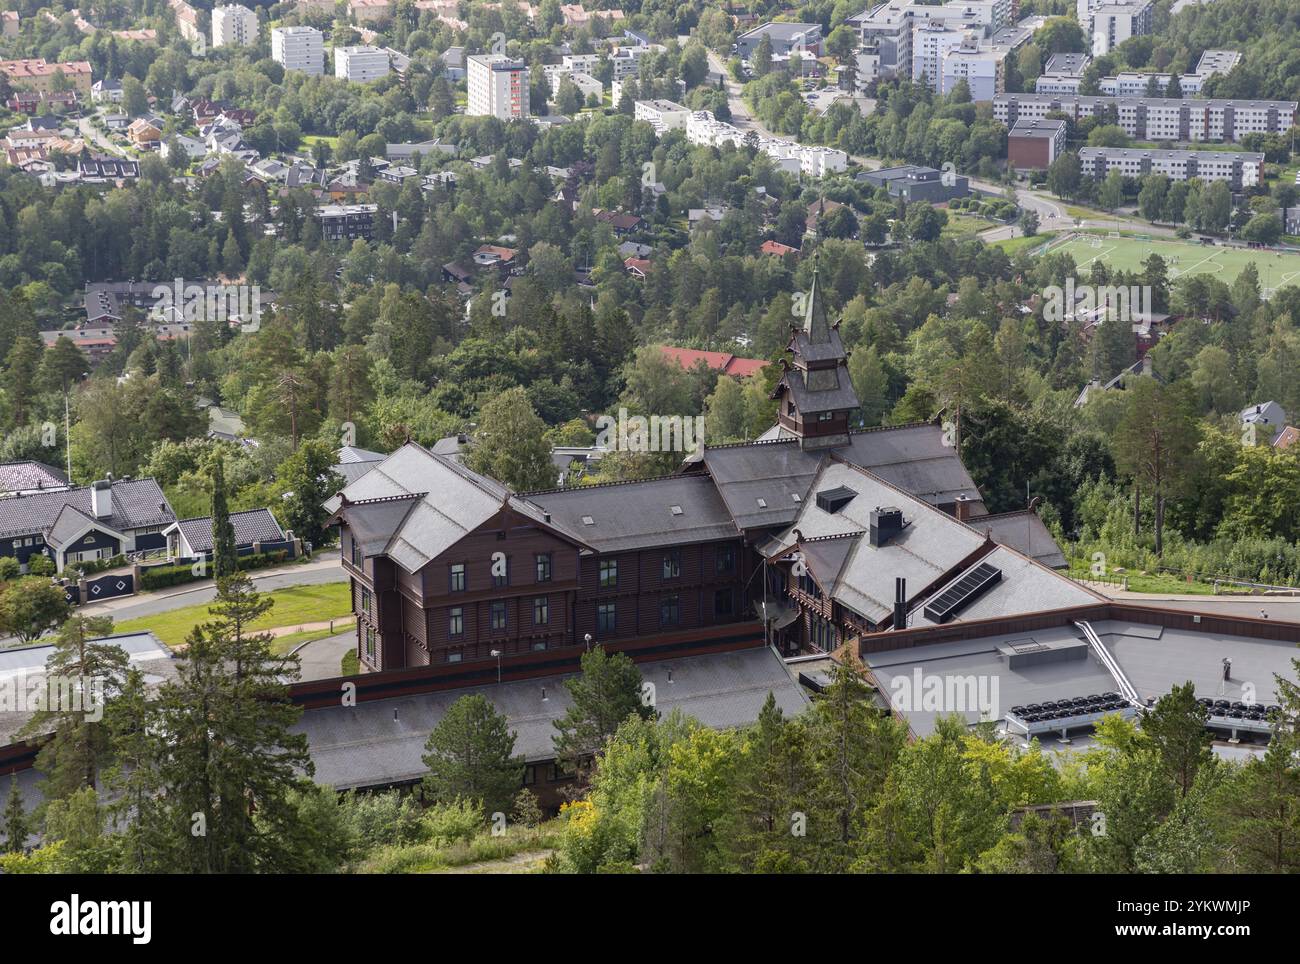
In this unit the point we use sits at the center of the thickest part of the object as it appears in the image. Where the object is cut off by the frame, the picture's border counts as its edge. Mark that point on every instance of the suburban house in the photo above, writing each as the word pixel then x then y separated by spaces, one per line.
pixel 792 539
pixel 143 133
pixel 724 363
pixel 97 521
pixel 1267 420
pixel 24 478
pixel 255 531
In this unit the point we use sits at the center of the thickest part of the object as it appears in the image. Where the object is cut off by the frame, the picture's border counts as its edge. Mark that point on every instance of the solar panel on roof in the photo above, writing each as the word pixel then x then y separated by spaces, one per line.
pixel 962 593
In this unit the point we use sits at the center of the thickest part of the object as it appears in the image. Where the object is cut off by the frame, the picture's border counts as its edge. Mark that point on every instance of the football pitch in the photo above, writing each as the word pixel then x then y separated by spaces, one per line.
pixel 1183 258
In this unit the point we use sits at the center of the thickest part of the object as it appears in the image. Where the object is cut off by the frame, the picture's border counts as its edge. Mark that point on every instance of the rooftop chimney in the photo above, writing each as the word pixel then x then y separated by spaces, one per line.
pixel 101 499
pixel 963 508
pixel 884 524
pixel 900 602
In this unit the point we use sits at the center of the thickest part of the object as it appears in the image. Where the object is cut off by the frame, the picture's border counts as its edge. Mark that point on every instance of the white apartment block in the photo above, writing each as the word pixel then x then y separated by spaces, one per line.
pixel 586 84
pixel 984 71
pixel 233 25
pixel 664 115
pixel 1110 22
pixel 299 48
pixel 581 63
pixel 360 64
pixel 498 87
pixel 888 31
pixel 1157 118
pixel 794 158
pixel 1239 168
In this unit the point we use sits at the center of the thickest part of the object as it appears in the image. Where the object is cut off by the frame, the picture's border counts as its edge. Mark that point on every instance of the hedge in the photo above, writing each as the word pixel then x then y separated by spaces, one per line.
pixel 160 577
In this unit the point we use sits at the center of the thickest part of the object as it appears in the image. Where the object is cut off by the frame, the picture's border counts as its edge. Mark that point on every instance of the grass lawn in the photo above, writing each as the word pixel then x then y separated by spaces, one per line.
pixel 1013 246
pixel 310 139
pixel 294 605
pixel 1183 258
pixel 964 225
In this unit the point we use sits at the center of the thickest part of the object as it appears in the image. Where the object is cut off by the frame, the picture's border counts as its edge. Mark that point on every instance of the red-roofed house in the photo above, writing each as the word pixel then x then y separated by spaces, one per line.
pixel 777 248
pixel 718 361
pixel 637 267
pixel 1288 437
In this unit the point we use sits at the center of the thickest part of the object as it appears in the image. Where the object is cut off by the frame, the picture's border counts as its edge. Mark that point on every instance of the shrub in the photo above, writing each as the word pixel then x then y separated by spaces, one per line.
pixel 40 565
pixel 10 568
pixel 351 663
pixel 383 819
pixel 450 823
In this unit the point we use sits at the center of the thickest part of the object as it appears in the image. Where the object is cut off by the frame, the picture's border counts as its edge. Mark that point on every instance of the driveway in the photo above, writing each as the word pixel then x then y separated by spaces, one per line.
pixel 323 658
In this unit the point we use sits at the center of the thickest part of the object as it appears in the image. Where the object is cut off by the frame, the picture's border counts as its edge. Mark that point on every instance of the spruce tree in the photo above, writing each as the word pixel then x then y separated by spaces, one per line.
pixel 16 826
pixel 606 693
pixel 470 755
pixel 224 555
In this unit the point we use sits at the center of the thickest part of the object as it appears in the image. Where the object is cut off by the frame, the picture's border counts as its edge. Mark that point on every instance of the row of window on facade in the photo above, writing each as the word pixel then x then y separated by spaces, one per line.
pixel 458 576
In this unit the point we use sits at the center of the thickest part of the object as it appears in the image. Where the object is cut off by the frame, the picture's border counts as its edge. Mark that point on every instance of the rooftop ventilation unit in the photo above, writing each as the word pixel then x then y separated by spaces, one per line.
pixel 832 500
pixel 962 593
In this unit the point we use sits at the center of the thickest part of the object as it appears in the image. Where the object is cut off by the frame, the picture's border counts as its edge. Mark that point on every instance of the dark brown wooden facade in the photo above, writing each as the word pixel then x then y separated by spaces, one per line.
pixel 514 586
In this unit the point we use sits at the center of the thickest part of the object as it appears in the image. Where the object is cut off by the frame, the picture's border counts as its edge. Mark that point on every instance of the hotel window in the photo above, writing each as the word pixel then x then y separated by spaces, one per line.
pixel 458 577
pixel 543 567
pixel 825 416
pixel 501 579
pixel 454 655
pixel 606 617
pixel 672 564
pixel 723 603
pixel 608 573
pixel 357 558
pixel 669 611
pixel 498 616
pixel 365 601
pixel 726 558
pixel 455 621
pixel 370 644
pixel 541 611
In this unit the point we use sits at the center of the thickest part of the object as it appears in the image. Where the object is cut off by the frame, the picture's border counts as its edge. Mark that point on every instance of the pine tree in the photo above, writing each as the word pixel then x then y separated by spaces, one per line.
pixel 225 557
pixel 470 756
pixel 229 753
pixel 16 826
pixel 78 744
pixel 605 694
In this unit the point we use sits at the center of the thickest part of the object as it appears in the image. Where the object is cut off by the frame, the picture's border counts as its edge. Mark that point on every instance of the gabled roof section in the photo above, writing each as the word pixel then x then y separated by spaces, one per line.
pixel 251 525
pixel 1025 532
pixel 931 544
pixel 434 502
pixel 71 523
pixel 136 503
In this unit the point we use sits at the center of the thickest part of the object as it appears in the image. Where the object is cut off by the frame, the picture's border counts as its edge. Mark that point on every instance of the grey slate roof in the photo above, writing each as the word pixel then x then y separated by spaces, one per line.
pixel 19 476
pixel 452 502
pixel 634 515
pixel 136 503
pixel 1024 531
pixel 912 457
pixel 1026 586
pixel 70 524
pixel 252 525
pixel 381 742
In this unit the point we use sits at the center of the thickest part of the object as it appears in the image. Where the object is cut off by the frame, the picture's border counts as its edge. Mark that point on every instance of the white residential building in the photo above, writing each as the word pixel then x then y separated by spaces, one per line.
pixel 984 71
pixel 498 87
pixel 664 115
pixel 1110 23
pixel 299 48
pixel 1241 169
pixel 794 158
pixel 904 39
pixel 233 25
pixel 1158 118
pixel 360 65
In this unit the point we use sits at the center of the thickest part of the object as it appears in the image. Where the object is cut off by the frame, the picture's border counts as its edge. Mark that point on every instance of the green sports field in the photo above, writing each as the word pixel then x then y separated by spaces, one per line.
pixel 1183 258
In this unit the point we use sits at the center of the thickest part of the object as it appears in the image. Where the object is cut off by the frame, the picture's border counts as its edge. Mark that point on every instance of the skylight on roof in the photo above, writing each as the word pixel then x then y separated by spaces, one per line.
pixel 676 509
pixel 762 503
pixel 796 496
pixel 588 520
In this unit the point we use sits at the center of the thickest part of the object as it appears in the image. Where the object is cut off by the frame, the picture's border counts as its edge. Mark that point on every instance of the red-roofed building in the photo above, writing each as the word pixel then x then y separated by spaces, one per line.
pixel 1288 437
pixel 637 267
pixel 718 361
pixel 777 248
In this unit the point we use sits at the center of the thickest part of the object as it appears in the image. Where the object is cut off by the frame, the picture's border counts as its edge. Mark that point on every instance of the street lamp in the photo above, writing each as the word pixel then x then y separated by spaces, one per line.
pixel 587 639
pixel 497 654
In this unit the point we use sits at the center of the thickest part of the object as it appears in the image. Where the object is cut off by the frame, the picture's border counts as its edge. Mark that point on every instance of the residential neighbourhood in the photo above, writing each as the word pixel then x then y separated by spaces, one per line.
pixel 461 436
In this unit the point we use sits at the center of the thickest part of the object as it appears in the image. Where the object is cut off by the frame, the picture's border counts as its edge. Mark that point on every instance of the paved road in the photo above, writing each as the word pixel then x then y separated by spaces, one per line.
pixel 97 137
pixel 323 658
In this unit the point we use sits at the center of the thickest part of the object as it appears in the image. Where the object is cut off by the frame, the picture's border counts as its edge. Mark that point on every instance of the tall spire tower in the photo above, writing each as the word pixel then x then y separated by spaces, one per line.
pixel 815 392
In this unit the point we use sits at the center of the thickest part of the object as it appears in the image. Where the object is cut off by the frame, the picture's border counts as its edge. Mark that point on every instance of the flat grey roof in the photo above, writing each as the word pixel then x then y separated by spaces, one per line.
pixel 381 742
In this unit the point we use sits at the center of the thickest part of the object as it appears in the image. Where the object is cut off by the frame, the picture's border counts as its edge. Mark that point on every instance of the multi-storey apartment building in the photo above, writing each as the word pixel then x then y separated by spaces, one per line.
pixel 1108 23
pixel 1157 118
pixel 233 25
pixel 360 64
pixel 498 87
pixel 299 48
pixel 347 222
pixel 1239 168
pixel 36 74
pixel 984 71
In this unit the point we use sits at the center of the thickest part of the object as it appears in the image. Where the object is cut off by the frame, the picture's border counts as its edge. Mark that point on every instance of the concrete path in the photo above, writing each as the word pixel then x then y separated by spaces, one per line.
pixel 323 658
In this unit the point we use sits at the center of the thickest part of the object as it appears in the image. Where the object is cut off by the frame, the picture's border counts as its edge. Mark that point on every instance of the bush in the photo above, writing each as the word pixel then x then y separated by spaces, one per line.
pixel 449 823
pixel 40 565
pixel 160 577
pixel 351 664
pixel 91 566
pixel 383 819
pixel 10 568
